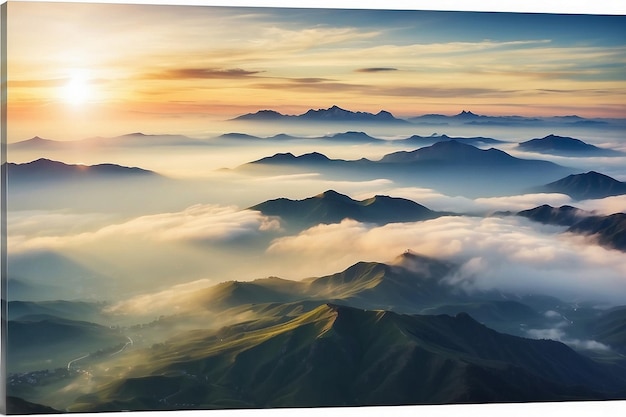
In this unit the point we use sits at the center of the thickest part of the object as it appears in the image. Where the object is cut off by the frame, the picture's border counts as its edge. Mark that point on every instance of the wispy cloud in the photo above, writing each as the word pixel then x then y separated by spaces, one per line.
pixel 198 224
pixel 201 73
pixel 376 69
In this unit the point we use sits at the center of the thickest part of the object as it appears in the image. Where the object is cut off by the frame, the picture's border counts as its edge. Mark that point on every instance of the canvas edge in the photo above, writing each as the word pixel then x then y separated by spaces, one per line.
pixel 3 200
pixel 608 408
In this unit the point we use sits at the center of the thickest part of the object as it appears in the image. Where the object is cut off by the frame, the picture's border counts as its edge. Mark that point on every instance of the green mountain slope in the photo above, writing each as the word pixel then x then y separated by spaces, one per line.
pixel 335 356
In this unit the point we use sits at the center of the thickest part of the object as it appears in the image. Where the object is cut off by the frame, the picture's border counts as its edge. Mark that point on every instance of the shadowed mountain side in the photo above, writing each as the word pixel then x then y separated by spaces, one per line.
pixel 610 328
pixel 16 405
pixel 63 339
pixel 585 186
pixel 70 310
pixel 561 145
pixel 608 230
pixel 561 216
pixel 450 167
pixel 332 207
pixel 341 356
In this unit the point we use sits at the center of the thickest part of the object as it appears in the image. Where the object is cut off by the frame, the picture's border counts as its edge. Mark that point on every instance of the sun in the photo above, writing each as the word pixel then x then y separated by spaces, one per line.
pixel 78 89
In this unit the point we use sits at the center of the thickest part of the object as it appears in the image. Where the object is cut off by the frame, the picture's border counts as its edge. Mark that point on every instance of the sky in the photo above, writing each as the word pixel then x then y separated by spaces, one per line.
pixel 78 70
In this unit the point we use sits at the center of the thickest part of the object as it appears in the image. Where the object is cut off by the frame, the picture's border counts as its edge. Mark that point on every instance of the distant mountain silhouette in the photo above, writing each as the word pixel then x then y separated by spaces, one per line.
pixel 44 170
pixel 429 140
pixel 34 143
pixel 473 119
pixel 332 207
pixel 561 145
pixel 450 166
pixel 350 136
pixel 331 114
pixel 289 158
pixel 136 139
pixel 585 186
pixel 359 137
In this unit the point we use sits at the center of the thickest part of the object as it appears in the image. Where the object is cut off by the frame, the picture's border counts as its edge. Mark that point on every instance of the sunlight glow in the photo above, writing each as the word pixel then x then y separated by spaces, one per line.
pixel 77 90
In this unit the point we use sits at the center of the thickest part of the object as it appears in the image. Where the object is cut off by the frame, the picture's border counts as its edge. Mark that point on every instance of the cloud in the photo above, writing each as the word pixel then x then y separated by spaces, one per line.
pixel 441 202
pixel 511 254
pixel 561 336
pixel 198 224
pixel 173 300
pixel 376 69
pixel 608 205
pixel 201 73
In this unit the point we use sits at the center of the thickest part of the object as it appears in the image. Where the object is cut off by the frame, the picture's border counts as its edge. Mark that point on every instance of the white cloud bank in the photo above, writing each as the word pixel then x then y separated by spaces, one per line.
pixel 509 253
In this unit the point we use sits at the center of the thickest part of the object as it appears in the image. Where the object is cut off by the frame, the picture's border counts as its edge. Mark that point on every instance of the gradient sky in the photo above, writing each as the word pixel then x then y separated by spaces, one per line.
pixel 77 70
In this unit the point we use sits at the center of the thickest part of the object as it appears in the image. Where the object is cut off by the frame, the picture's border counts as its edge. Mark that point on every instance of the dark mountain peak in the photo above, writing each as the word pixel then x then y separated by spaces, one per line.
pixel 467 115
pixel 333 207
pixel 565 145
pixel 331 111
pixel 384 114
pixel 278 158
pixel 591 184
pixel 140 134
pixel 43 169
pixel 236 135
pixel 588 178
pixel 421 264
pixel 334 196
pixel 313 156
pixel 262 115
pixel 353 136
pixel 282 136
pixel 562 216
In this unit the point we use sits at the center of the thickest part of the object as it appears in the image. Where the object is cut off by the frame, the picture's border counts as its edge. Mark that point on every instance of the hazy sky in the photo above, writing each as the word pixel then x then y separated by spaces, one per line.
pixel 92 69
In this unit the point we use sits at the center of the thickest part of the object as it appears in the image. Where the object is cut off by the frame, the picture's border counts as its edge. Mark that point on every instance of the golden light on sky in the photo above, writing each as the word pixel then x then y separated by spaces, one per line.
pixel 77 90
pixel 135 67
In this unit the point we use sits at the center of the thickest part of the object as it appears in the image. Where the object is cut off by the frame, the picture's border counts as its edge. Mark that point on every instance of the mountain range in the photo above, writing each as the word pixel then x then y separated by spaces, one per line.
pixel 338 114
pixel 589 185
pixel 331 114
pixel 46 170
pixel 561 145
pixel 372 334
pixel 332 207
pixel 449 166
pixel 136 139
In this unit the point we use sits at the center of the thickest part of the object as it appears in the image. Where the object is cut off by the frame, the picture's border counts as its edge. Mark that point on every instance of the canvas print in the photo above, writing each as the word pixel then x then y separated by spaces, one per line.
pixel 235 207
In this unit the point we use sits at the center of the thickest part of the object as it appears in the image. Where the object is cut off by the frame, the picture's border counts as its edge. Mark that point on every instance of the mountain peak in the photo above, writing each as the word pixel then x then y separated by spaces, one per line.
pixel 332 194
pixel 584 186
pixel 467 114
